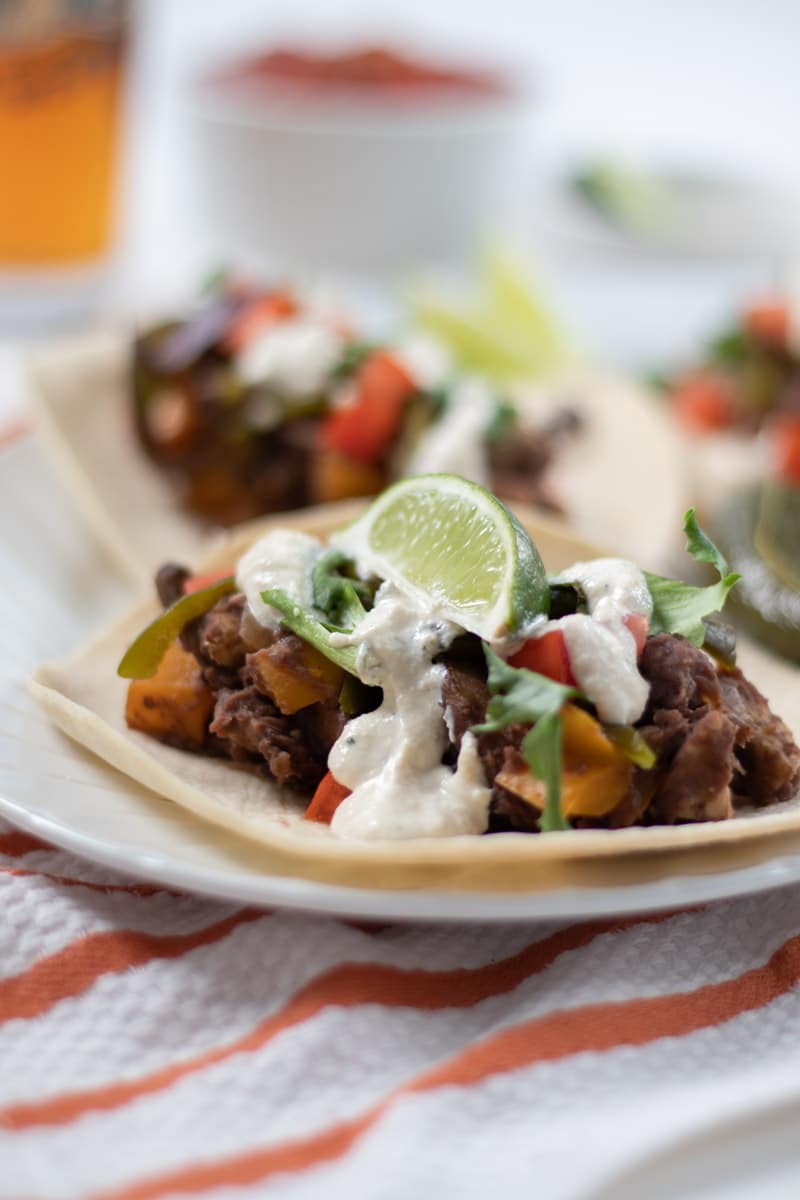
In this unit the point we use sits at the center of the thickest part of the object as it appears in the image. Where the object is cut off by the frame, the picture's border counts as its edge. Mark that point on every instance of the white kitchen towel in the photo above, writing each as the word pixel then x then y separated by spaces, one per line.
pixel 158 1045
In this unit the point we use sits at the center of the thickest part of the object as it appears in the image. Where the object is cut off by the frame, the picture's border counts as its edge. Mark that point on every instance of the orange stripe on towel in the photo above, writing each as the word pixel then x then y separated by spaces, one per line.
pixel 595 1028
pixel 73 970
pixel 347 985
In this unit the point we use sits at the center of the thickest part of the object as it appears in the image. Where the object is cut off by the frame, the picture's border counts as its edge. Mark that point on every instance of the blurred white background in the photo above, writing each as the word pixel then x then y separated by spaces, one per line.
pixel 710 85
pixel 657 82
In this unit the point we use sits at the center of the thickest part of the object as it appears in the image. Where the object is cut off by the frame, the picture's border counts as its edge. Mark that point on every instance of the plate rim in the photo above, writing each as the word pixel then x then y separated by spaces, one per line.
pixel 295 893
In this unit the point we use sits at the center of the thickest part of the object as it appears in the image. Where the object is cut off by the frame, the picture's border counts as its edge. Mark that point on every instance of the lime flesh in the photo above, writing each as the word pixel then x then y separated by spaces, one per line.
pixel 452 543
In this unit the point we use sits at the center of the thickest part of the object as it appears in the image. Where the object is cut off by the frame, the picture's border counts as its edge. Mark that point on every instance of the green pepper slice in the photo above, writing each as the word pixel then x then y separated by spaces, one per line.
pixel 142 658
pixel 632 745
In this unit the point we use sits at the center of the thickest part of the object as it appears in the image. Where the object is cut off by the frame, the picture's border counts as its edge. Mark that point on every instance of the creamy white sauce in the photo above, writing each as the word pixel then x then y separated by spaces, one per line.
pixel 613 587
pixel 295 356
pixel 427 361
pixel 283 558
pixel 602 651
pixel 456 443
pixel 391 758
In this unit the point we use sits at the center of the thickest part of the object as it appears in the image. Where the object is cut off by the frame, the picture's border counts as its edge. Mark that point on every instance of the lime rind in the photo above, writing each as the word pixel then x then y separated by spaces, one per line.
pixel 451 544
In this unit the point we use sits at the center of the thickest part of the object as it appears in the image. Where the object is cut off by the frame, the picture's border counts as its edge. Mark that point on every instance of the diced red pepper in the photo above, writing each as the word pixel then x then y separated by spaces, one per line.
pixel 365 428
pixel 326 799
pixel 636 624
pixel 703 401
pixel 254 318
pixel 785 442
pixel 196 582
pixel 547 655
pixel 768 322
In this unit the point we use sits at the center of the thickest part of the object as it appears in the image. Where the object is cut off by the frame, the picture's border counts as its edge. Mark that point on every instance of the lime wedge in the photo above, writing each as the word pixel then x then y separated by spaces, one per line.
pixel 452 544
pixel 508 333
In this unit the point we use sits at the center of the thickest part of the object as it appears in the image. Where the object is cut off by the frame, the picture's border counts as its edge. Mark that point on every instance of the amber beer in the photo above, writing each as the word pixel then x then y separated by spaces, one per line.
pixel 60 96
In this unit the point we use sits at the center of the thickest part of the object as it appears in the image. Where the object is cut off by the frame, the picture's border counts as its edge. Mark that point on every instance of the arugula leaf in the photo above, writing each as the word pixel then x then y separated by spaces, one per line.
pixel 337 596
pixel 541 747
pixel 519 695
pixel 310 629
pixel 680 607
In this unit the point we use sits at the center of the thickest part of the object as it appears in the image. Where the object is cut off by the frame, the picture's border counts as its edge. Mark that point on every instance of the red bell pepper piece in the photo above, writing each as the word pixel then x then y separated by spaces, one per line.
pixel 547 655
pixel 196 582
pixel 365 428
pixel 768 322
pixel 785 441
pixel 636 624
pixel 326 799
pixel 703 402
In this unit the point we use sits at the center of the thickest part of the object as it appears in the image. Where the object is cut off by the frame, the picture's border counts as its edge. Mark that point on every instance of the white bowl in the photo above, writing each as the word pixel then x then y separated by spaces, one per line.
pixel 356 183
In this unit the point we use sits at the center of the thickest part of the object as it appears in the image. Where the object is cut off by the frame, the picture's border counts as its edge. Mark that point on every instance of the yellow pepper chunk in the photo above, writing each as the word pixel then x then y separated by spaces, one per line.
pixel 174 705
pixel 596 774
pixel 298 680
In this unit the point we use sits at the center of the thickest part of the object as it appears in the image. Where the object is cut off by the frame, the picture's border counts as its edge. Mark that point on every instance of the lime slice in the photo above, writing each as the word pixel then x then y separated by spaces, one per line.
pixel 508 334
pixel 455 546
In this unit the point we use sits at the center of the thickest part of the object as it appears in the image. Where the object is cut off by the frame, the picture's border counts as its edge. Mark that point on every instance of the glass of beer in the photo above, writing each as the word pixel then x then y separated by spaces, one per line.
pixel 61 83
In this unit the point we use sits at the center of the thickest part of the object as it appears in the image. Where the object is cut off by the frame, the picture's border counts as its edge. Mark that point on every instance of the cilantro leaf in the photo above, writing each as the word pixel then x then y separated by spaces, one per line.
pixel 335 595
pixel 680 607
pixel 522 696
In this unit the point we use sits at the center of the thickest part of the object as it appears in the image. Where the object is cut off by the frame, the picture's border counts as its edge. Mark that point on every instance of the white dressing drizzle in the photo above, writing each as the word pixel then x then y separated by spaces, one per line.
pixel 602 650
pixel 283 558
pixel 456 443
pixel 391 758
pixel 295 356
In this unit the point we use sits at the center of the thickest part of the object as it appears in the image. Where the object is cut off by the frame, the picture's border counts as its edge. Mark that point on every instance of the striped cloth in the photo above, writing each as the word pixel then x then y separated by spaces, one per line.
pixel 159 1045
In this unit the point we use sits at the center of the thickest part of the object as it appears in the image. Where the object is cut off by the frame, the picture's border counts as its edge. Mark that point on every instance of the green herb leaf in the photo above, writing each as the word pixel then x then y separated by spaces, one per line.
pixel 522 696
pixel 353 356
pixel 335 595
pixel 730 349
pixel 310 629
pixel 542 749
pixel 504 418
pixel 680 607
pixel 436 400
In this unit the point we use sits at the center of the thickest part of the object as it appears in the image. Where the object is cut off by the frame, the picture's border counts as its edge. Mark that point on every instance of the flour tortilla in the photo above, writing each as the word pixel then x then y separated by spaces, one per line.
pixel 81 393
pixel 85 697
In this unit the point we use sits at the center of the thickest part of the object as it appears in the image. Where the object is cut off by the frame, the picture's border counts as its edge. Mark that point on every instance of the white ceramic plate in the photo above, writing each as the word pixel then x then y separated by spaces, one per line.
pixel 55 592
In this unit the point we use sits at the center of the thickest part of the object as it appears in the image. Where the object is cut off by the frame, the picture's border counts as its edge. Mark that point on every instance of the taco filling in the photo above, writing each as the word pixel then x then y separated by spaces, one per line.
pixel 400 705
pixel 260 402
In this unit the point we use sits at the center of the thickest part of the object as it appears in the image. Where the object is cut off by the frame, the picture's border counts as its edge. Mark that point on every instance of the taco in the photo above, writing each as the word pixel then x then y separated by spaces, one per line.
pixel 260 402
pixel 370 714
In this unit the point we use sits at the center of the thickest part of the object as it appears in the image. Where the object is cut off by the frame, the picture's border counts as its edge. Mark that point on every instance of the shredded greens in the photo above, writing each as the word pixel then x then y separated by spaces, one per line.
pixel 680 607
pixel 519 695
pixel 337 595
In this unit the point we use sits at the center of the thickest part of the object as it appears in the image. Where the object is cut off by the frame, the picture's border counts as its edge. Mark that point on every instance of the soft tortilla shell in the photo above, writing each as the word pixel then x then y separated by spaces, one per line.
pixel 86 699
